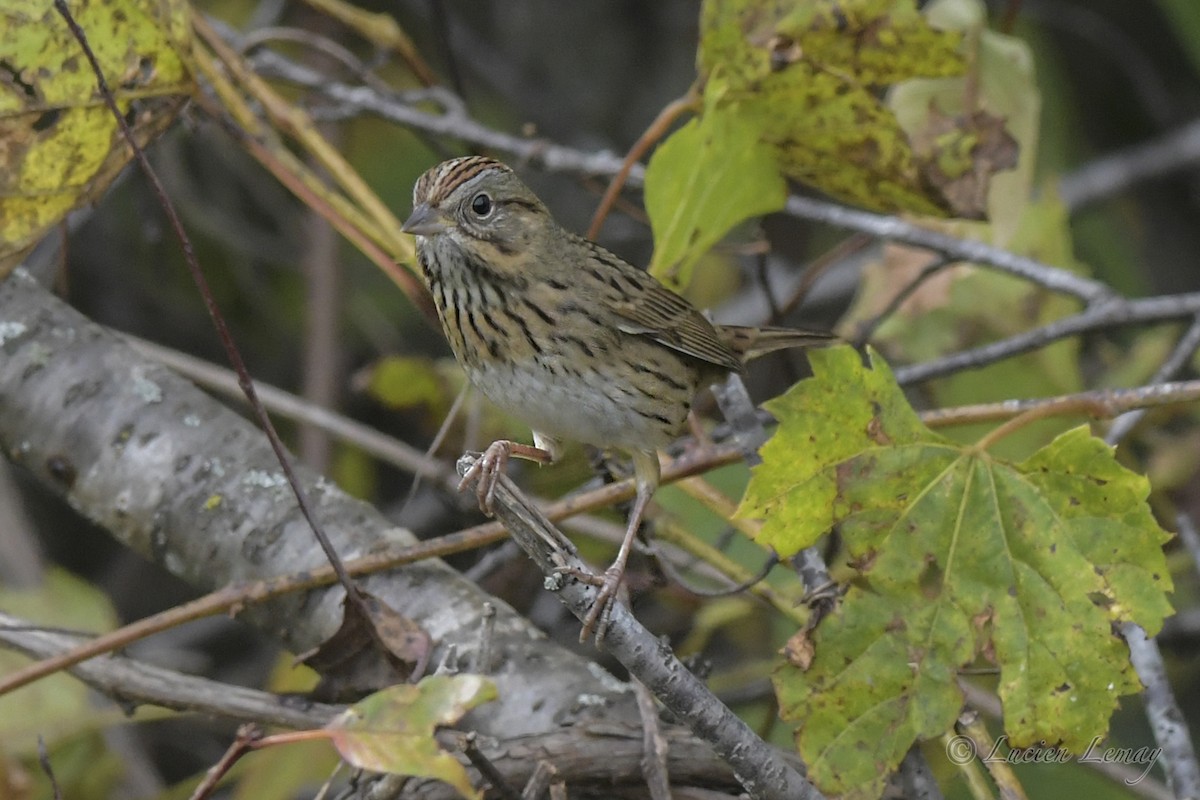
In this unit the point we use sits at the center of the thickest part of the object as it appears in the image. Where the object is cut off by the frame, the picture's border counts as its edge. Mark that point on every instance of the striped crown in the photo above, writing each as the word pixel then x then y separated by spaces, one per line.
pixel 441 181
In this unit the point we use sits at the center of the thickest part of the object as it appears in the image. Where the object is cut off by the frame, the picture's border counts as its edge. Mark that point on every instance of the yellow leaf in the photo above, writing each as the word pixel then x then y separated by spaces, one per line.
pixel 61 146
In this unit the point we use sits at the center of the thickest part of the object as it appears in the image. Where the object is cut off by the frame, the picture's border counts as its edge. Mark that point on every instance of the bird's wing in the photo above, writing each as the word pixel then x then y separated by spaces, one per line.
pixel 647 308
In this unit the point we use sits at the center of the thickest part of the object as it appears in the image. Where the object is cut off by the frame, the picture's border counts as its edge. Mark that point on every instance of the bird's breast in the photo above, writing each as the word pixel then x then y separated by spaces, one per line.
pixel 599 403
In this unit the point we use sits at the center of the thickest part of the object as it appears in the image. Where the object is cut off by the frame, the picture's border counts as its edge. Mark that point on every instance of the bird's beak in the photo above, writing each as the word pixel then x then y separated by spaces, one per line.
pixel 425 220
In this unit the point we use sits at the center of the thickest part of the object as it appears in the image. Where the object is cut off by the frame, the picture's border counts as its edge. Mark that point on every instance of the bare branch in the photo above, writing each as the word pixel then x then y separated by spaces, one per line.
pixel 1112 313
pixel 137 682
pixel 1166 718
pixel 900 230
pixel 1111 401
pixel 1116 172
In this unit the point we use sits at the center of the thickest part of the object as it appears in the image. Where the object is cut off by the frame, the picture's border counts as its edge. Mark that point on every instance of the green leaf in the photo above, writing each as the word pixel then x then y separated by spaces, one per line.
pixel 960 557
pixel 811 73
pixel 707 177
pixel 400 382
pixel 57 706
pixel 392 730
pixel 966 306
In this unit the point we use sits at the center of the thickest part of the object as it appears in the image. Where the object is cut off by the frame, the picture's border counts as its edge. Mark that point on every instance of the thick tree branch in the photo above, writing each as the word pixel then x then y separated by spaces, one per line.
pixel 581 754
pixel 193 486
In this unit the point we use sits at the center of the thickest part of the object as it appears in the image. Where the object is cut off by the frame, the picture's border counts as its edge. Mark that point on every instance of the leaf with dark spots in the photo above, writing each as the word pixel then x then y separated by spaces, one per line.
pixel 808 76
pixel 876 433
pixel 61 147
pixel 959 556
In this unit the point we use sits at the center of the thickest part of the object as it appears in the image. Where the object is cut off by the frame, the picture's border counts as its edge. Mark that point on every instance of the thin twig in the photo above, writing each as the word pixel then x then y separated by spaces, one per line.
pixel 900 230
pixel 657 129
pixel 136 682
pixel 972 727
pixel 243 743
pixel 44 763
pixel 261 36
pixel 1069 406
pixel 488 770
pixel 1113 313
pixel 654 745
pixel 1104 402
pixel 867 328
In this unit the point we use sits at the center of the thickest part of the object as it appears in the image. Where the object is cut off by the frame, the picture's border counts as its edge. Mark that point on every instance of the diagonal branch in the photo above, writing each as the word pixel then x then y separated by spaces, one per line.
pixel 762 769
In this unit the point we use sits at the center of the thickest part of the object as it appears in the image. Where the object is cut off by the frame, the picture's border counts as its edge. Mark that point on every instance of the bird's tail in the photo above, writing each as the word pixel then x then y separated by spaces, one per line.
pixel 751 343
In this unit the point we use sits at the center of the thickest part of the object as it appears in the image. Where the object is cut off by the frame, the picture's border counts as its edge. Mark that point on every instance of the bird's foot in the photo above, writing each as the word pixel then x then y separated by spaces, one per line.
pixel 490 465
pixel 599 615
pixel 486 472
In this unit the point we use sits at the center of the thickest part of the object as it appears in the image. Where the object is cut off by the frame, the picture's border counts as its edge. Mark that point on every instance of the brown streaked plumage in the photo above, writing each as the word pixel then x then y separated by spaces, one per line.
pixel 563 334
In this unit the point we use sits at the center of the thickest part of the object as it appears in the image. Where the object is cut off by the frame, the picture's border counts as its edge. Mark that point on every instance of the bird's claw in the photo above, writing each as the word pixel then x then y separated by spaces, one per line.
pixel 599 616
pixel 486 472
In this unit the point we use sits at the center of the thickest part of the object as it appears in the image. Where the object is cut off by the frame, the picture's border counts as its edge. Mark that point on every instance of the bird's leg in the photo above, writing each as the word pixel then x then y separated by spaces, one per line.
pixel 490 465
pixel 646 474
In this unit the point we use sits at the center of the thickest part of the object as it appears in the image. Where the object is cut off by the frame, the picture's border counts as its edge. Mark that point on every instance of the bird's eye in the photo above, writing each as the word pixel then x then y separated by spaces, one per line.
pixel 481 204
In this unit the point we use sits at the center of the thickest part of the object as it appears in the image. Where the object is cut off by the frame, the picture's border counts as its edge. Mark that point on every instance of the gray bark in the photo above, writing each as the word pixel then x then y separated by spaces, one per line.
pixel 193 486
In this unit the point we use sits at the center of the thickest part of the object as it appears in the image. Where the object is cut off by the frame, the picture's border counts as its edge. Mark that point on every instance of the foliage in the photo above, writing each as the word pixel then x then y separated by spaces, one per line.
pixel 704 180
pixel 59 708
pixel 1017 557
pixel 392 730
pixel 62 147
pixel 960 557
pixel 793 90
